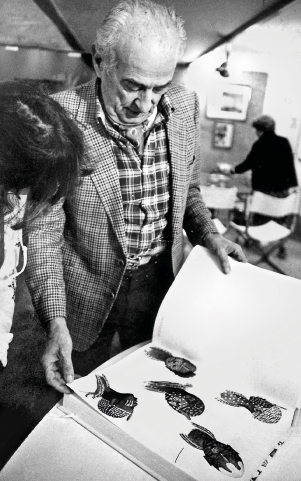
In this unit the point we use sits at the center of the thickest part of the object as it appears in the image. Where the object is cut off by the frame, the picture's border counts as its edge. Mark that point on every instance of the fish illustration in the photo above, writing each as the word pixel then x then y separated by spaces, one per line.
pixel 180 366
pixel 113 403
pixel 219 455
pixel 261 409
pixel 181 401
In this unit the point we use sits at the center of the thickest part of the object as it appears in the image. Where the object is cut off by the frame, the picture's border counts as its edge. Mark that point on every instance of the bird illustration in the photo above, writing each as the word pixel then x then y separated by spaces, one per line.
pixel 181 401
pixel 261 409
pixel 219 455
pixel 113 403
pixel 180 366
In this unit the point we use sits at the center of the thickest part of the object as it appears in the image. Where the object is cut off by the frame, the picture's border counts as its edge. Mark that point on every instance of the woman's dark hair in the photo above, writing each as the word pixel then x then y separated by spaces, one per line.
pixel 41 148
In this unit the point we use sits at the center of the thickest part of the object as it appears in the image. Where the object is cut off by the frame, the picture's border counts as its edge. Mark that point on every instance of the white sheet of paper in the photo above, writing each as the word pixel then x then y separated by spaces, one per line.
pixel 242 332
pixel 246 324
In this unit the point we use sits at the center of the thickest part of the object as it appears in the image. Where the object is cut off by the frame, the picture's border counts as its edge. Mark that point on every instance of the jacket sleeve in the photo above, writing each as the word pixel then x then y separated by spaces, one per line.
pixel 290 174
pixel 248 163
pixel 44 271
pixel 197 218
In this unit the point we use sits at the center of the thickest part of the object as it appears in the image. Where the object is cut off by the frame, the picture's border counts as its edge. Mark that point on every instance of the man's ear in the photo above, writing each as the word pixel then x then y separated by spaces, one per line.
pixel 97 61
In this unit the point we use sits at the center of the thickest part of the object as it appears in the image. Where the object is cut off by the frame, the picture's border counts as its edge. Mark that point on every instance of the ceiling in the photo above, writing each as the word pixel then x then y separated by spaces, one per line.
pixel 280 34
pixel 70 25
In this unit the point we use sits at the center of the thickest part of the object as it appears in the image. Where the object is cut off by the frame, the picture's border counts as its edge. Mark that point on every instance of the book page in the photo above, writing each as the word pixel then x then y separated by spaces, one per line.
pixel 243 342
pixel 244 326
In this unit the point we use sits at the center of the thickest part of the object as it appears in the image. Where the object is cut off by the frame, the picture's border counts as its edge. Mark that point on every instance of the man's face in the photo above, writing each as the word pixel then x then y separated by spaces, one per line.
pixel 134 87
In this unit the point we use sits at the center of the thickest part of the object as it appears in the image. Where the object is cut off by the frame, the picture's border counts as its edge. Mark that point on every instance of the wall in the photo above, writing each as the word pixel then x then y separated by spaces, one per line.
pixel 201 76
pixel 272 58
pixel 283 94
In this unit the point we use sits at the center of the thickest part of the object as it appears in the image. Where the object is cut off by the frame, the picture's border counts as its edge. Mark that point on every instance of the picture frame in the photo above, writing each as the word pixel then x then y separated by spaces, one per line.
pixel 228 101
pixel 223 133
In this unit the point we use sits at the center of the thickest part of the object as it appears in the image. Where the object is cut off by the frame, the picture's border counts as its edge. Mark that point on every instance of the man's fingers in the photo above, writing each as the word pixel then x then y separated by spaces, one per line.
pixel 58 366
pixel 54 379
pixel 238 254
pixel 225 264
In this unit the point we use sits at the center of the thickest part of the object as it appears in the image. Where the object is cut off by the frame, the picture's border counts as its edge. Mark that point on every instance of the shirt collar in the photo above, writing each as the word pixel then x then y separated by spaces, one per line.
pixel 164 107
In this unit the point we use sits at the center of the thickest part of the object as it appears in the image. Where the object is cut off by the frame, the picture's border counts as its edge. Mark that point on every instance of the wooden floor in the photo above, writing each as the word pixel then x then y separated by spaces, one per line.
pixel 24 396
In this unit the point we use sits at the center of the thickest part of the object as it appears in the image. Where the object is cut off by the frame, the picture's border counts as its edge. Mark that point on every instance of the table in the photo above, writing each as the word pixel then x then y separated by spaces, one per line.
pixel 244 190
pixel 242 183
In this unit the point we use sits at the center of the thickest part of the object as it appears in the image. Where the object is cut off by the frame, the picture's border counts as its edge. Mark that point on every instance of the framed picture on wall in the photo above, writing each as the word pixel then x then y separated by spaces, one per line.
pixel 228 101
pixel 223 133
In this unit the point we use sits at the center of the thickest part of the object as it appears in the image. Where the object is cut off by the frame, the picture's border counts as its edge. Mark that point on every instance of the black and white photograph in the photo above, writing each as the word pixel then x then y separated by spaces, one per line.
pixel 150 240
pixel 223 133
pixel 227 101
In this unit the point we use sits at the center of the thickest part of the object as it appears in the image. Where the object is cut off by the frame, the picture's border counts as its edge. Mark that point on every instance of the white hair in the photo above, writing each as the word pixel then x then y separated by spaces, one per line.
pixel 121 16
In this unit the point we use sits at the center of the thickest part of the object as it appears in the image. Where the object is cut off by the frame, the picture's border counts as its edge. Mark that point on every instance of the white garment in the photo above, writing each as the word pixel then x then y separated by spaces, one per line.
pixel 13 244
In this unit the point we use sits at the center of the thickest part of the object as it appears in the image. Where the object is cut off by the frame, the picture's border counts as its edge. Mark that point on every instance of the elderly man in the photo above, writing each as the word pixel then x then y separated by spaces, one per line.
pixel 102 261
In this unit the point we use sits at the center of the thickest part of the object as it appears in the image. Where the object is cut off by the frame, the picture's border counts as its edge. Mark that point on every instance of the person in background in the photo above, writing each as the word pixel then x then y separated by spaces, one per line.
pixel 270 160
pixel 41 152
pixel 117 243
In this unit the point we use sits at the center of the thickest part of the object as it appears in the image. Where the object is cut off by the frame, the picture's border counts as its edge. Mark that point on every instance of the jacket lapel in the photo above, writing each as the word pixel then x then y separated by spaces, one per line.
pixel 105 175
pixel 177 134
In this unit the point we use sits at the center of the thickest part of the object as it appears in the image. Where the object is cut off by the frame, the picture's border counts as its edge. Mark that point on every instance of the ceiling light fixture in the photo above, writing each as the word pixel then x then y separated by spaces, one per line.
pixel 223 69
pixel 12 48
pixel 74 54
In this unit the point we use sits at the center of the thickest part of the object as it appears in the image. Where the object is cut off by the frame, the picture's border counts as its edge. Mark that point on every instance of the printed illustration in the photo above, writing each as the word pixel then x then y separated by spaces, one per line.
pixel 113 403
pixel 184 403
pixel 180 366
pixel 219 455
pixel 261 409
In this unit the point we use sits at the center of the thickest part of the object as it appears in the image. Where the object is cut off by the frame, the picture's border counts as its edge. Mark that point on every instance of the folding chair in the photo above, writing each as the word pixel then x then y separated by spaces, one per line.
pixel 270 236
pixel 221 202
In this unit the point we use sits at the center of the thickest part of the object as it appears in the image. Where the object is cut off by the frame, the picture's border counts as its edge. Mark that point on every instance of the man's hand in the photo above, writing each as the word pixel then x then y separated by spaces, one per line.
pixel 223 247
pixel 57 356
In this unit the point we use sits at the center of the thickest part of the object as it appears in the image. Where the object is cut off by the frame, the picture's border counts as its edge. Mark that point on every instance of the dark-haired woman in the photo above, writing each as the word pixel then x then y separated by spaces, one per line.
pixel 41 159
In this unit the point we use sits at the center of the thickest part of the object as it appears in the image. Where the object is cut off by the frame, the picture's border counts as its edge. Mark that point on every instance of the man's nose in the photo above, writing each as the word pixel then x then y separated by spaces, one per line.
pixel 145 101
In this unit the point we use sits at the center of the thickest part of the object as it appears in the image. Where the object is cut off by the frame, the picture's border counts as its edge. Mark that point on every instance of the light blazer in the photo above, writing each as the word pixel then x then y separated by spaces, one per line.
pixel 77 252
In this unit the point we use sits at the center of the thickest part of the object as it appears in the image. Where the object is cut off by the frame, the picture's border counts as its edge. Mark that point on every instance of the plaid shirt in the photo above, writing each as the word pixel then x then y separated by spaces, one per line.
pixel 144 182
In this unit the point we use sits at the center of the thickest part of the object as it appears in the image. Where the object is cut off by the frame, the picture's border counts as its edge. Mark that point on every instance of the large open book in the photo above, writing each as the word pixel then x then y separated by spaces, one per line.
pixel 225 407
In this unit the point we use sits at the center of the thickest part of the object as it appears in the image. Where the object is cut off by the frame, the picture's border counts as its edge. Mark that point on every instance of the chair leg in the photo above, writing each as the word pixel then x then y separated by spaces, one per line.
pixel 274 266
pixel 265 259
pixel 282 254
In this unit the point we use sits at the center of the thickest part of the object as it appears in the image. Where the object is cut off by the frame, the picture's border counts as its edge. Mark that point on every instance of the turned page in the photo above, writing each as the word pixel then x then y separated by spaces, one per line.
pixel 244 326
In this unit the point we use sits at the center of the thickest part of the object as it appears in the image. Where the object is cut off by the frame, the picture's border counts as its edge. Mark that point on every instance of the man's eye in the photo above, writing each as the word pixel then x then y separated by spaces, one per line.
pixel 131 86
pixel 159 90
